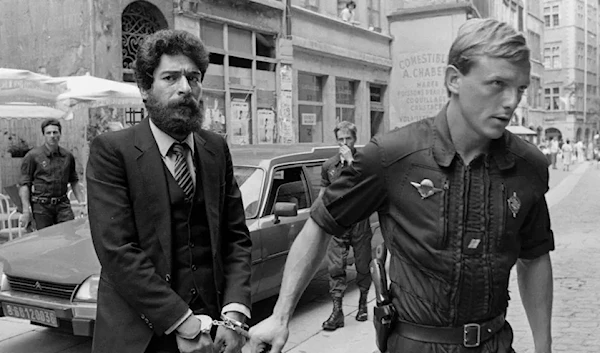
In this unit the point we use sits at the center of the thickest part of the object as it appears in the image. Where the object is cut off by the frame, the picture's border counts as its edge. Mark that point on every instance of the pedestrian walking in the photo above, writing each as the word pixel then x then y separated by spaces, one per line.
pixel 567 155
pixel 166 217
pixel 580 151
pixel 460 201
pixel 358 236
pixel 46 173
pixel 554 149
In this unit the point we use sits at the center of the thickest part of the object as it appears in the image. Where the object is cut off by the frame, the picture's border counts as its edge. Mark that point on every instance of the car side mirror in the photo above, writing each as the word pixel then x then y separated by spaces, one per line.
pixel 284 209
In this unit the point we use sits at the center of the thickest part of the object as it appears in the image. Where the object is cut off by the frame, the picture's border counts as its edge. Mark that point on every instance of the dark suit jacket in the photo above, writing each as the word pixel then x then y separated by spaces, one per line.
pixel 130 221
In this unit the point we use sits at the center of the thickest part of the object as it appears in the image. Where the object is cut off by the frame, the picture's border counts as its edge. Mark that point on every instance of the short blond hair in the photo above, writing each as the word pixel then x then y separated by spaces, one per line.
pixel 489 37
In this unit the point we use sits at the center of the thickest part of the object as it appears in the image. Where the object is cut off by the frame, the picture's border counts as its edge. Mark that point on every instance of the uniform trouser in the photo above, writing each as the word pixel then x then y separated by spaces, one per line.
pixel 359 237
pixel 46 215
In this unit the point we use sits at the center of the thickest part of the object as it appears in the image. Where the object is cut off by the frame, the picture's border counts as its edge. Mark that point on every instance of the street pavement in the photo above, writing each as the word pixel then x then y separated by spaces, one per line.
pixel 574 207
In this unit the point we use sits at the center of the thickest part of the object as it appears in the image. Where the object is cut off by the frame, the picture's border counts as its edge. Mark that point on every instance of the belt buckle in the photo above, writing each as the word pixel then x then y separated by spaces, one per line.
pixel 471 330
pixel 53 200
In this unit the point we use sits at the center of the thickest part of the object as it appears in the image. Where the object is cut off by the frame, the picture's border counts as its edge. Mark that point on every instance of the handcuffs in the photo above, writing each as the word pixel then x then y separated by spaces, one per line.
pixel 207 323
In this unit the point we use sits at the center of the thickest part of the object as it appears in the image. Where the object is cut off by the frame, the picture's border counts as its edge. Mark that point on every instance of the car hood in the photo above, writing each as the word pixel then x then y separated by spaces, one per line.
pixel 62 253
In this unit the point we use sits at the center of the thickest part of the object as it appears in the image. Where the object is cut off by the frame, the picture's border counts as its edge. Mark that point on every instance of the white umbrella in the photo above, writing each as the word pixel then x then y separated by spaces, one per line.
pixel 29 110
pixel 25 86
pixel 91 91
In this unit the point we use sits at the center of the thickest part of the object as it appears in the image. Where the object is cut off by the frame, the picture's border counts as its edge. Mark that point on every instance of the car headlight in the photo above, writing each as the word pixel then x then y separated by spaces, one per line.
pixel 4 286
pixel 88 290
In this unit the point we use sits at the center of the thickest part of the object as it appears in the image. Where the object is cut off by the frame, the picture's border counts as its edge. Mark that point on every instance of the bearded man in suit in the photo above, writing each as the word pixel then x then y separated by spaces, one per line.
pixel 166 216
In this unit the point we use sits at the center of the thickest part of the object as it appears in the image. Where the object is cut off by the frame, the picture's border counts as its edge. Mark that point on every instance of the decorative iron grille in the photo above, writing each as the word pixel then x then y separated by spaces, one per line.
pixel 138 21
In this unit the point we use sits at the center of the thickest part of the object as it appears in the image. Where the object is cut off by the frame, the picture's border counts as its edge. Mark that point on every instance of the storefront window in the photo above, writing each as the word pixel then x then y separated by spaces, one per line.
pixel 310 88
pixel 214 112
pixel 212 34
pixel 310 108
pixel 311 123
pixel 241 119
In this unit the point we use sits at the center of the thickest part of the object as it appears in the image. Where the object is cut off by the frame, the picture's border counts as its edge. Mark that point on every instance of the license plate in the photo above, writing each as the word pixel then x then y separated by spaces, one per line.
pixel 42 316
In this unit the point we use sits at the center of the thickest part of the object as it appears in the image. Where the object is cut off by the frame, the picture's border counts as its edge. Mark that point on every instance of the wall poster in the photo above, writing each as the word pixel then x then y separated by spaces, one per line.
pixel 240 121
pixel 266 125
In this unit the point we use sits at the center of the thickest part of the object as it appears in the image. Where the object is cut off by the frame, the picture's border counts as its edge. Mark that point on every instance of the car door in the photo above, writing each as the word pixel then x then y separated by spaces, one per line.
pixel 287 184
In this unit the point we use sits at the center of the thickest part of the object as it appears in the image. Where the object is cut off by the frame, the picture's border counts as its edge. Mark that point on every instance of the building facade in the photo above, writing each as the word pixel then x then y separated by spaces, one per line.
pixel 340 70
pixel 570 87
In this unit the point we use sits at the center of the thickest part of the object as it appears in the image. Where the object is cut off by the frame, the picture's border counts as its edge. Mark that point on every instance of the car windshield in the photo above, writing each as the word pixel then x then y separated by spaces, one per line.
pixel 249 180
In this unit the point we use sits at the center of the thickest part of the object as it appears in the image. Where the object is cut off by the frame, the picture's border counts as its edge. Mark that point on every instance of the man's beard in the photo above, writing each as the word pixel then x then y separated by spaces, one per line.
pixel 176 118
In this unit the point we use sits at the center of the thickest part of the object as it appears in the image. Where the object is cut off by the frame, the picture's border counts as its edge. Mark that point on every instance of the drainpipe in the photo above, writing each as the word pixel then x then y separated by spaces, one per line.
pixel 585 66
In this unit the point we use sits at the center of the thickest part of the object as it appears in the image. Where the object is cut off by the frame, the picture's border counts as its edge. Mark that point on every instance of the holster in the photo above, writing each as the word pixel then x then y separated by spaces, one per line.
pixel 384 318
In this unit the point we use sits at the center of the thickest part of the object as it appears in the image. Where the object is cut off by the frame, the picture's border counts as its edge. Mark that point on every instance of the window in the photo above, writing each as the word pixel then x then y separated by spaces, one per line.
pixel 242 49
pixel 212 34
pixel 520 18
pixel 580 54
pixel 314 178
pixel 138 20
pixel 344 99
pixel 552 98
pixel 535 44
pixel 534 93
pixel 377 108
pixel 552 57
pixel 289 185
pixel 551 16
pixel 373 8
pixel 311 4
pixel 310 108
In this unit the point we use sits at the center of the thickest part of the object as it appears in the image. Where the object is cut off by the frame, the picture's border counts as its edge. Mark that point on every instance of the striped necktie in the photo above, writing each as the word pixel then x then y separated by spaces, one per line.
pixel 182 172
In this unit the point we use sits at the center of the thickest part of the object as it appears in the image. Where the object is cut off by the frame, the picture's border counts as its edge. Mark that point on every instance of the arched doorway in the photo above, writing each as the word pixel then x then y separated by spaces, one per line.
pixel 587 136
pixel 553 133
pixel 578 135
pixel 139 19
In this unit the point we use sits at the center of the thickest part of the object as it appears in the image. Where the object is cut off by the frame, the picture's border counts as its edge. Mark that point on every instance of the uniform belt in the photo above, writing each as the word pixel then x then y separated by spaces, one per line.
pixel 49 200
pixel 469 335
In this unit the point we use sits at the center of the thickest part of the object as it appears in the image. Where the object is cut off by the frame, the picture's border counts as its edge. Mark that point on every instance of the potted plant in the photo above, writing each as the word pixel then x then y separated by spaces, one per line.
pixel 17 147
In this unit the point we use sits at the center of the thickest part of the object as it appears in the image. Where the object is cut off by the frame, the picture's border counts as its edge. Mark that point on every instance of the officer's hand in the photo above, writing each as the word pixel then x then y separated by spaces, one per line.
pixel 346 154
pixel 201 344
pixel 269 336
pixel 228 341
pixel 25 218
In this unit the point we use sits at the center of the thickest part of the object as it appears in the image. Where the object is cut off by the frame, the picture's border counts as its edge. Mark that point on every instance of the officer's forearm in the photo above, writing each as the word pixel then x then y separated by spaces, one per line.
pixel 24 194
pixel 304 259
pixel 536 288
pixel 78 191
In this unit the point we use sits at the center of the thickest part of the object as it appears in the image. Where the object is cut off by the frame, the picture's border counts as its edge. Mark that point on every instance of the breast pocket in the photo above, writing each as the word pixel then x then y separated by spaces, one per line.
pixel 423 204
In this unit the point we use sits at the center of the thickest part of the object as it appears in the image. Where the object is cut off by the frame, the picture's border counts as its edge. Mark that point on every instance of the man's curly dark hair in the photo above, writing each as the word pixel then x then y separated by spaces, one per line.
pixel 170 42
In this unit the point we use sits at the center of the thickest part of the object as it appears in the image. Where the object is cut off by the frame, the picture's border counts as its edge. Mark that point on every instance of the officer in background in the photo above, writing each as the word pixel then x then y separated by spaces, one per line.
pixel 45 172
pixel 460 201
pixel 358 236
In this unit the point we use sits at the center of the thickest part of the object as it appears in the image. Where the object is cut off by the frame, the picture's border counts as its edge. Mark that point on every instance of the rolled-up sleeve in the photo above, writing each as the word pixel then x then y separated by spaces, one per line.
pixel 355 195
pixel 27 169
pixel 536 234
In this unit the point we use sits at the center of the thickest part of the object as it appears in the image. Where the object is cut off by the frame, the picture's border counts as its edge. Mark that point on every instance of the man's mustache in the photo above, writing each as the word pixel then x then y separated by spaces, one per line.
pixel 187 101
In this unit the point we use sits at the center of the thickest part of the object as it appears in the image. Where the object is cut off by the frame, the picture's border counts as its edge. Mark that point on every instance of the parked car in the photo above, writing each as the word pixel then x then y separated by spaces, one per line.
pixel 50 277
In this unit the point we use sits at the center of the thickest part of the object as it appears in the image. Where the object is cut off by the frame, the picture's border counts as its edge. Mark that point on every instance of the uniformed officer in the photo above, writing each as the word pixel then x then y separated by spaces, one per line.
pixel 45 172
pixel 358 236
pixel 460 201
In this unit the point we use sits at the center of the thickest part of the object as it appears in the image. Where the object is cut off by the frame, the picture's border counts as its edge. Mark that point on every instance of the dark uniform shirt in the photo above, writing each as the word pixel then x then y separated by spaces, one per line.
pixel 452 245
pixel 48 173
pixel 330 172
